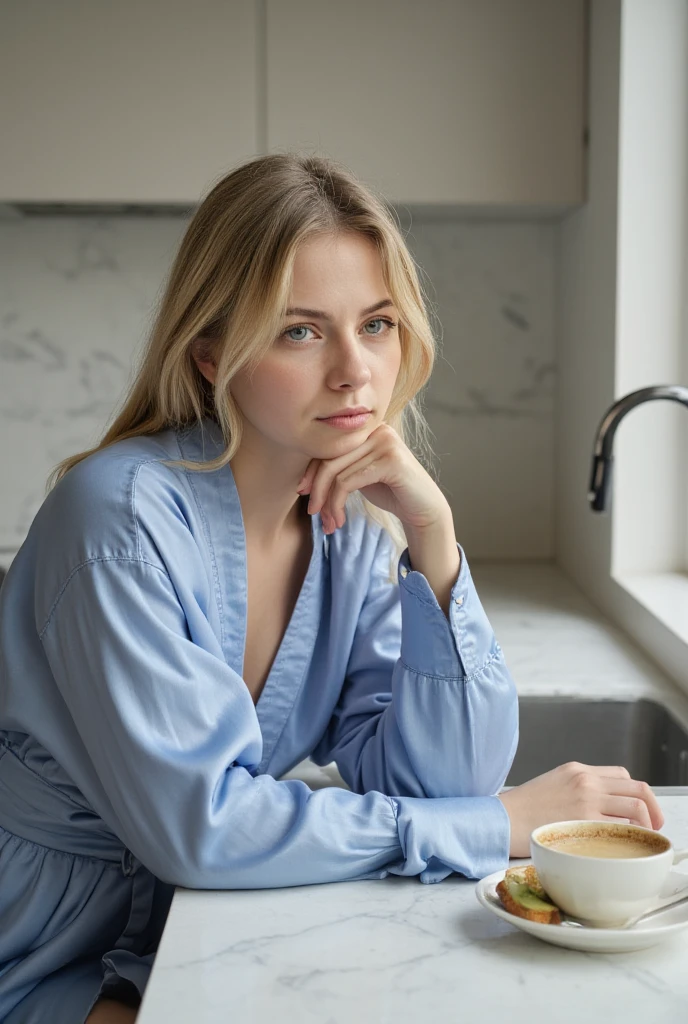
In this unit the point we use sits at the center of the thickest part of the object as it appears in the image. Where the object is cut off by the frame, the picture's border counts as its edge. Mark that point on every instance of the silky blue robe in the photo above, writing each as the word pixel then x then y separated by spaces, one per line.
pixel 133 759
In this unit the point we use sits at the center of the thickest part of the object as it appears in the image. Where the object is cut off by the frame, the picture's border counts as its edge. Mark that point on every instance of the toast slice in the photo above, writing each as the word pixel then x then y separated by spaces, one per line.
pixel 522 894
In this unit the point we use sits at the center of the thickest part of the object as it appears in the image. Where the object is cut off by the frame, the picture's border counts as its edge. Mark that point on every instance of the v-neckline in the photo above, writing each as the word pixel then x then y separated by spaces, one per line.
pixel 223 525
pixel 274 667
pixel 289 665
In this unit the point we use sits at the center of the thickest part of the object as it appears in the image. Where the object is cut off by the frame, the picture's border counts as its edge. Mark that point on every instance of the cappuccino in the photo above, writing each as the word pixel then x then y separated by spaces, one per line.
pixel 603 846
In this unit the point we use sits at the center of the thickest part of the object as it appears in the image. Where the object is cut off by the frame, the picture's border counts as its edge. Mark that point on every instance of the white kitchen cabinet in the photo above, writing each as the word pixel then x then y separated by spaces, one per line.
pixel 149 101
pixel 144 101
pixel 444 101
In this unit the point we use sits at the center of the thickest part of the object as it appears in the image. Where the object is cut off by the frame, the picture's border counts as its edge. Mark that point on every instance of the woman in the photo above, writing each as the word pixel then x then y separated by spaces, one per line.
pixel 253 567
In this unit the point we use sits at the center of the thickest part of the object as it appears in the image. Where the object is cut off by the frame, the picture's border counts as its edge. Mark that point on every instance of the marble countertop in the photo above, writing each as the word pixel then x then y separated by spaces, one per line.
pixel 556 642
pixel 396 950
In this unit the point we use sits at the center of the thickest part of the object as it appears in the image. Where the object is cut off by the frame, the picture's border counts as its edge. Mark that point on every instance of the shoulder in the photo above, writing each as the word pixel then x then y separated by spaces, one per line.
pixel 102 507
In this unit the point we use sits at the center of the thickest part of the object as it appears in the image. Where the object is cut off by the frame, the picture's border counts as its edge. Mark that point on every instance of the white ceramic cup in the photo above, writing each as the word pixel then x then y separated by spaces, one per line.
pixel 602 891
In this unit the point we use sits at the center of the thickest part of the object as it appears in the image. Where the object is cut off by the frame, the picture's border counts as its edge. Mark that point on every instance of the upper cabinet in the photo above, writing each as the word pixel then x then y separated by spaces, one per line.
pixel 150 101
pixel 439 101
pixel 131 101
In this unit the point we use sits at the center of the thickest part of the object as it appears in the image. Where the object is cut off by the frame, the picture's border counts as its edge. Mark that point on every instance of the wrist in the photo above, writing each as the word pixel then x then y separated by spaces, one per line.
pixel 433 551
pixel 440 523
pixel 519 838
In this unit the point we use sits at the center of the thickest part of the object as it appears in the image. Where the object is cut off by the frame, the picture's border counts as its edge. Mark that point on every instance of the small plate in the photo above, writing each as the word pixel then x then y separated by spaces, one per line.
pixel 596 940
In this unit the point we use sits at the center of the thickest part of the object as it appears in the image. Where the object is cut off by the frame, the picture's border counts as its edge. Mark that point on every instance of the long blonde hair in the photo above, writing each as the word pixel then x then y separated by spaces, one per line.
pixel 228 289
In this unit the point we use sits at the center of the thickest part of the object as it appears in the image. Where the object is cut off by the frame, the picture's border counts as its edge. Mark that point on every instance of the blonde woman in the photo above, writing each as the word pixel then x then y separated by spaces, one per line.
pixel 252 567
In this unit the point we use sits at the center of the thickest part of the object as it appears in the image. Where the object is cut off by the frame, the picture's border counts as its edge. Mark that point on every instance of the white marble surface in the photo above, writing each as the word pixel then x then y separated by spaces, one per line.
pixel 77 294
pixel 396 951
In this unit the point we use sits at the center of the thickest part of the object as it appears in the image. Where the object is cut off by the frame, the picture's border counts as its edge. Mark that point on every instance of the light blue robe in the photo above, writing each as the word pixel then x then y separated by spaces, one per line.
pixel 132 757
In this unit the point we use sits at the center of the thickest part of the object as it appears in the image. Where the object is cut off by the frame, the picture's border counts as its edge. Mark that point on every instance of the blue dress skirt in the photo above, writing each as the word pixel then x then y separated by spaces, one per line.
pixel 89 913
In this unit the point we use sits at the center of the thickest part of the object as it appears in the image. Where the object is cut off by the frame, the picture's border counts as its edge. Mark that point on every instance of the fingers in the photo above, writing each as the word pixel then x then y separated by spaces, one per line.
pixel 609 790
pixel 348 481
pixel 614 771
pixel 306 486
pixel 642 799
pixel 633 808
pixel 383 441
pixel 306 481
pixel 336 479
pixel 327 472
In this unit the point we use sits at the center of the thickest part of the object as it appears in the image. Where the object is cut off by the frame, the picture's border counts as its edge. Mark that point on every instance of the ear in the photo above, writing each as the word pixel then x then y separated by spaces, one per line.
pixel 202 356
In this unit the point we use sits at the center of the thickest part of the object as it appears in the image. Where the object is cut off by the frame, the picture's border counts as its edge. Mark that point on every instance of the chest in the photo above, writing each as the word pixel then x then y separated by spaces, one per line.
pixel 275 579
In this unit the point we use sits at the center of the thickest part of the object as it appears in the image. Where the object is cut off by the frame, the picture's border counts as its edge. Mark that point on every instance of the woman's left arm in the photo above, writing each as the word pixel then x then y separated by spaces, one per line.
pixel 428 707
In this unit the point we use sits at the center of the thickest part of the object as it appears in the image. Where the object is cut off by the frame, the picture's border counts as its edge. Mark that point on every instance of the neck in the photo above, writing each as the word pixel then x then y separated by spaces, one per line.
pixel 266 483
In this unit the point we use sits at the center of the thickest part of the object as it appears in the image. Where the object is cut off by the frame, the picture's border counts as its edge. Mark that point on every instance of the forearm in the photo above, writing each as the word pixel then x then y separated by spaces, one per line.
pixel 433 552
pixel 435 715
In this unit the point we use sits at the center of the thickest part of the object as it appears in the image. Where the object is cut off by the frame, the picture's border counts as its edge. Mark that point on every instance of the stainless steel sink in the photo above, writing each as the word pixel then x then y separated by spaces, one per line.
pixel 641 735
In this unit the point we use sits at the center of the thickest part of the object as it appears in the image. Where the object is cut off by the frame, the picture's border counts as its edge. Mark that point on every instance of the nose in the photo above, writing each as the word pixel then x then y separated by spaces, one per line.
pixel 348 367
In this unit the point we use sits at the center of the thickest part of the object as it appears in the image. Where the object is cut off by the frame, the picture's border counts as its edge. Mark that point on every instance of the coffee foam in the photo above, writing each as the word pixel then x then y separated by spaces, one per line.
pixel 657 842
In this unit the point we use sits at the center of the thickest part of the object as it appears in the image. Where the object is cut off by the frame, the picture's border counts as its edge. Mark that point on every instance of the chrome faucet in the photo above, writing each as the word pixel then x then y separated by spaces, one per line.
pixel 600 477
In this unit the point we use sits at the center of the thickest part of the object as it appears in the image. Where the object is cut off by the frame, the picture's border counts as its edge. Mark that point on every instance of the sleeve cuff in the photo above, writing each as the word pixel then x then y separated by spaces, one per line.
pixel 431 644
pixel 469 835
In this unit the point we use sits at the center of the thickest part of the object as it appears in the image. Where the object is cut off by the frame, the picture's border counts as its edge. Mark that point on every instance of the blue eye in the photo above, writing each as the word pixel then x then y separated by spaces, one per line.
pixel 297 328
pixel 380 320
pixel 385 325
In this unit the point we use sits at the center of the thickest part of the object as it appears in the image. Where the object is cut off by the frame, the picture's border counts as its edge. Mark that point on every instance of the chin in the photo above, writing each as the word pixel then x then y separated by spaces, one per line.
pixel 345 443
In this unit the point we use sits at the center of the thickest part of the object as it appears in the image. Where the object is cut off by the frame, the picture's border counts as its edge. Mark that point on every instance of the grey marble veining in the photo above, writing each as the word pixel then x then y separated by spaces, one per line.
pixel 77 296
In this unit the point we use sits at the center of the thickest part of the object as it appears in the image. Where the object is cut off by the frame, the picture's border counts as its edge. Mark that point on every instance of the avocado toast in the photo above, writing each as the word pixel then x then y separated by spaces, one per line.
pixel 522 894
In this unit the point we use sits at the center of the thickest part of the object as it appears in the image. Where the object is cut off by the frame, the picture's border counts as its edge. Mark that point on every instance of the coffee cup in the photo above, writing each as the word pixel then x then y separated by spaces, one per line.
pixel 602 872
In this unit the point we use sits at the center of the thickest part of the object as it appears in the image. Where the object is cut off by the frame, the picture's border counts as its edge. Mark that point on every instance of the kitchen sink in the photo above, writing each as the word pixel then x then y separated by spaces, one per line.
pixel 641 735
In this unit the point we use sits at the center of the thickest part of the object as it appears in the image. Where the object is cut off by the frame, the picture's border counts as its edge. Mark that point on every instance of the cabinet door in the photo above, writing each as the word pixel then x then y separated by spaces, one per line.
pixel 439 101
pixel 124 100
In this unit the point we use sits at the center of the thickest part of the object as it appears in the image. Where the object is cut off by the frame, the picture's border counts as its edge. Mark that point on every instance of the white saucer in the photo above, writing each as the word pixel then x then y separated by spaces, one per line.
pixel 596 940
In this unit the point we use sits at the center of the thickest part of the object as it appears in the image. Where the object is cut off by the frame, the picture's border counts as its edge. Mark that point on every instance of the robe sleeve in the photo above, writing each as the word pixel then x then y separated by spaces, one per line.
pixel 428 708
pixel 169 739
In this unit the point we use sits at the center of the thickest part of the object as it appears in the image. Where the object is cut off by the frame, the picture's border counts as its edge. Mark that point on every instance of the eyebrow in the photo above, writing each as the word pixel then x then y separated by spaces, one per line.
pixel 318 314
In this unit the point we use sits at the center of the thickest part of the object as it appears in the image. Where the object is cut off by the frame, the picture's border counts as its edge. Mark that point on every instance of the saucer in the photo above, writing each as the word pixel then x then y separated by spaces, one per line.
pixel 596 940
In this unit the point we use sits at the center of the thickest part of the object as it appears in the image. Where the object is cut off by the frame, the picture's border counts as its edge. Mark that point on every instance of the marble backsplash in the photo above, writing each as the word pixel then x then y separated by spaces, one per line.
pixel 77 294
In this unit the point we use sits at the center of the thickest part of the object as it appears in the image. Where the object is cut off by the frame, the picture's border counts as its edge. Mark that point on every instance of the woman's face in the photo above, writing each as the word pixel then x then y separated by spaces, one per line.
pixel 334 352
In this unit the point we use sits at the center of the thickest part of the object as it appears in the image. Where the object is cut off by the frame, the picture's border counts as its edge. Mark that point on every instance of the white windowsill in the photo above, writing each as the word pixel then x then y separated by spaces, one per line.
pixel 664 595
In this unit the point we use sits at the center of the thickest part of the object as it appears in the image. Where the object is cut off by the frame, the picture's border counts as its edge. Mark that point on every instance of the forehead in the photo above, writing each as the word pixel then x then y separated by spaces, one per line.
pixel 327 261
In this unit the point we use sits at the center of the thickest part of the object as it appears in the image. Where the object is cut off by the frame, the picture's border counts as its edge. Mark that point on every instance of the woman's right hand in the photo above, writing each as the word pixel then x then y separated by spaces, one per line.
pixel 576 791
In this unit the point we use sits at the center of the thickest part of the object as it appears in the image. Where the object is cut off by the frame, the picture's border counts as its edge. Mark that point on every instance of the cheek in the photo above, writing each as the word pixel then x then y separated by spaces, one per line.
pixel 274 390
pixel 390 370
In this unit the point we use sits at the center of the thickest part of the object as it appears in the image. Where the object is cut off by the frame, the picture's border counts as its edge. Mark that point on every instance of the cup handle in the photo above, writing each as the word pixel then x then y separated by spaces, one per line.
pixel 680 855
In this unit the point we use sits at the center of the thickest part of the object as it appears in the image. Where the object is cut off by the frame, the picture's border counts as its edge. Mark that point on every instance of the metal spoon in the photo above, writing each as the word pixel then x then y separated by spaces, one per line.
pixel 567 921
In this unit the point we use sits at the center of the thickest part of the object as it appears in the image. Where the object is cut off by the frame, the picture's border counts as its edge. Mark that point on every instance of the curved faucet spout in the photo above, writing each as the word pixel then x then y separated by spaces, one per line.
pixel 601 473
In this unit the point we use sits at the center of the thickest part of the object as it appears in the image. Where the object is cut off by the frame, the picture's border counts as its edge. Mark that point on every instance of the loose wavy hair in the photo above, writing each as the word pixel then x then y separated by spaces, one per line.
pixel 227 291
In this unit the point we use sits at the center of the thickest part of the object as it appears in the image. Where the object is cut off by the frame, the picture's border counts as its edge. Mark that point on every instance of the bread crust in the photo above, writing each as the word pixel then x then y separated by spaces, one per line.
pixel 527 875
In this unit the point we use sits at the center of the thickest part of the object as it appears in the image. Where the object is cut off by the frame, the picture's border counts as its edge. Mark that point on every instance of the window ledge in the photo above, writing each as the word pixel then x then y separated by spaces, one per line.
pixel 664 595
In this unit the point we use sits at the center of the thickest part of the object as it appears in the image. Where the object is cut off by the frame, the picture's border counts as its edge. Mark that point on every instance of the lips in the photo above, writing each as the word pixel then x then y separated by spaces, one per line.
pixel 357 410
pixel 353 418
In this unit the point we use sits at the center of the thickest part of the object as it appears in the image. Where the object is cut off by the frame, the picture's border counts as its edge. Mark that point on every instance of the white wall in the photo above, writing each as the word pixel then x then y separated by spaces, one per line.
pixel 649 512
pixel 76 296
pixel 586 318
pixel 619 315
